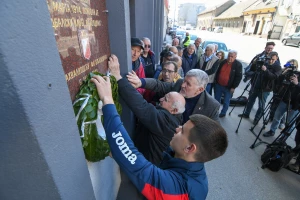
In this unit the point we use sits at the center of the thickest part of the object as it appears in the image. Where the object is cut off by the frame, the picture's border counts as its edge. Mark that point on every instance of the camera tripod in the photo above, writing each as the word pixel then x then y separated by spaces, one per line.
pixel 252 82
pixel 272 104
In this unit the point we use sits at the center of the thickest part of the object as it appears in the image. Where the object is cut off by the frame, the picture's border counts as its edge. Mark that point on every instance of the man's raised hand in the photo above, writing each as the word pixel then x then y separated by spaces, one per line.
pixel 114 67
pixel 134 79
pixel 104 89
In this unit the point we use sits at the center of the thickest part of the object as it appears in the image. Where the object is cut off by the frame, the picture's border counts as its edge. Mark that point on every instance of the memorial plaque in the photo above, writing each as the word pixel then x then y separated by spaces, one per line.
pixel 81 33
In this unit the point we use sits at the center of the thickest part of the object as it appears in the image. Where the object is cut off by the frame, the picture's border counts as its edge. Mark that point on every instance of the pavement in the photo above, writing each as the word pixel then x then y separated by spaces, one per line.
pixel 238 174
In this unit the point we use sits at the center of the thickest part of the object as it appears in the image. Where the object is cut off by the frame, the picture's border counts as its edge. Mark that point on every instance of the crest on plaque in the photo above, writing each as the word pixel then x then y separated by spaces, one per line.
pixel 84 43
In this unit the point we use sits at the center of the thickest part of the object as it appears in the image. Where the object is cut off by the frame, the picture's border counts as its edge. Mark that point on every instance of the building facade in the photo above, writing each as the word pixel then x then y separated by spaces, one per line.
pixel 290 10
pixel 262 17
pixel 187 13
pixel 232 19
pixel 206 18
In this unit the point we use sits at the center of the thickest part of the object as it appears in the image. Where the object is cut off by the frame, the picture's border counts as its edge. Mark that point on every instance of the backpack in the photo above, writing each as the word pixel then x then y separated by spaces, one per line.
pixel 276 156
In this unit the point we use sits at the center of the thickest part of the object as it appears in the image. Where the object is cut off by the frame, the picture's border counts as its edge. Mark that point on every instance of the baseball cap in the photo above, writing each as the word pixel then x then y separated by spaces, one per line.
pixel 137 42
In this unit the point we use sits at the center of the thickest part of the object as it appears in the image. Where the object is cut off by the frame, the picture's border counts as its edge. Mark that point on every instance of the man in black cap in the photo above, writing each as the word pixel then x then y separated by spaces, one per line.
pixel 137 66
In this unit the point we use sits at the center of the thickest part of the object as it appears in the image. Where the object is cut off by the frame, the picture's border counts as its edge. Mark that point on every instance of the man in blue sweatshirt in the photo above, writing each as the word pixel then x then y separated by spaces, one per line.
pixel 181 174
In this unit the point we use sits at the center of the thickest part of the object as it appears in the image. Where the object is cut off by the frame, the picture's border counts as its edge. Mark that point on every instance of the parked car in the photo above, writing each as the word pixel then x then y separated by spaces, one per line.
pixel 180 34
pixel 193 38
pixel 292 39
pixel 218 29
pixel 221 46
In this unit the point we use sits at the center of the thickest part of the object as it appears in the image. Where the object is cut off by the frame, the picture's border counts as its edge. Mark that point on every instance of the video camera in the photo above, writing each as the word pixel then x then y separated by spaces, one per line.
pixel 255 67
pixel 290 73
pixel 261 61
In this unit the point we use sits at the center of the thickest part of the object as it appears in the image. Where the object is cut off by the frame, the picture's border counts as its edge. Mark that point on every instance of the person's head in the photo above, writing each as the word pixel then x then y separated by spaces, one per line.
pixel 273 56
pixel 209 50
pixel 169 70
pixel 191 49
pixel 216 48
pixel 177 60
pixel 269 47
pixel 231 56
pixel 293 62
pixel 136 48
pixel 167 56
pixel 200 139
pixel 187 34
pixel 175 42
pixel 174 50
pixel 147 45
pixel 221 55
pixel 194 83
pixel 198 42
pixel 173 102
pixel 180 50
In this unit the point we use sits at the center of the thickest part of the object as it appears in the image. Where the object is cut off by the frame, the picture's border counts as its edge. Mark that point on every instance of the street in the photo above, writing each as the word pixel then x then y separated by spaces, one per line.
pixel 238 174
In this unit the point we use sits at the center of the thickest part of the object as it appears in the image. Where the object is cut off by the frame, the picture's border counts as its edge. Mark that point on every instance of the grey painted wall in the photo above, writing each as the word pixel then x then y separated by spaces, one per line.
pixel 146 20
pixel 41 153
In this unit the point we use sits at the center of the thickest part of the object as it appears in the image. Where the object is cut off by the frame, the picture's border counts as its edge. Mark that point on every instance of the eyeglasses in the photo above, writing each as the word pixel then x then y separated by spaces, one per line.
pixel 166 70
pixel 147 45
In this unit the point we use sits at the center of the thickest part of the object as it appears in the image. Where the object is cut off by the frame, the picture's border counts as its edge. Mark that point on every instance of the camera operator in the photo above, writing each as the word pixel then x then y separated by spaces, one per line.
pixel 262 84
pixel 251 68
pixel 288 90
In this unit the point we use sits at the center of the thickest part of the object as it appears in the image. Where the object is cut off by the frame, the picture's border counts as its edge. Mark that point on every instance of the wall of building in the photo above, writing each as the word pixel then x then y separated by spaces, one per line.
pixel 205 20
pixel 41 152
pixel 147 20
pixel 233 25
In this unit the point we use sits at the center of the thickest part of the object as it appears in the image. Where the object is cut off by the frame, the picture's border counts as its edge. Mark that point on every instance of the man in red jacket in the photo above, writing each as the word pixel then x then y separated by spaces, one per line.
pixel 137 66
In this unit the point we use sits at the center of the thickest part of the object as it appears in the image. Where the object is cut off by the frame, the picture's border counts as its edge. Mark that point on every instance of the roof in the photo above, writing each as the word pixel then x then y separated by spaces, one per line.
pixel 236 10
pixel 210 9
pixel 263 5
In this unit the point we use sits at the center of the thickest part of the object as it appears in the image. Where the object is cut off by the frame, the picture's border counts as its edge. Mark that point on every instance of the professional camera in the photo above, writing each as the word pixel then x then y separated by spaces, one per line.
pixel 255 67
pixel 289 73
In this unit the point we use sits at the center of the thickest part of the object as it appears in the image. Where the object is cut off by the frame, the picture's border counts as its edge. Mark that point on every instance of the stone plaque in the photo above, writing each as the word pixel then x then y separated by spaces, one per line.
pixel 81 33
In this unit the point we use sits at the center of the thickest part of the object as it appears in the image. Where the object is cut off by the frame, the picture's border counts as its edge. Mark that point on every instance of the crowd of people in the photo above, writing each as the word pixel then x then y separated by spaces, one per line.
pixel 176 103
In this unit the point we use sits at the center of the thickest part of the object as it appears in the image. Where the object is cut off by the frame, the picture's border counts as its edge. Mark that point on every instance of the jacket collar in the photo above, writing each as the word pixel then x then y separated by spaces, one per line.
pixel 193 169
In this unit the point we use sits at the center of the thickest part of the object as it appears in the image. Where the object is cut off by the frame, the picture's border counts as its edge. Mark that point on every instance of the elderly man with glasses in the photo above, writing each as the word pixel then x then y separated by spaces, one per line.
pixel 148 58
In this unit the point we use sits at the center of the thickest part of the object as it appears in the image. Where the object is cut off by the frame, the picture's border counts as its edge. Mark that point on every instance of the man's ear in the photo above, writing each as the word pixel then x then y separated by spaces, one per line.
pixel 199 90
pixel 190 148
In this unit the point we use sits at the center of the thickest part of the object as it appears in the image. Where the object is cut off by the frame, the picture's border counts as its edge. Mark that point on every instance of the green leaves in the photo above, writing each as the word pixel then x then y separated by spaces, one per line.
pixel 95 148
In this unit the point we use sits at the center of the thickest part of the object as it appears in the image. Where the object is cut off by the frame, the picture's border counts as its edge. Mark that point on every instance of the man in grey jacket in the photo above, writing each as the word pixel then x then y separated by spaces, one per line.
pixel 209 63
pixel 192 87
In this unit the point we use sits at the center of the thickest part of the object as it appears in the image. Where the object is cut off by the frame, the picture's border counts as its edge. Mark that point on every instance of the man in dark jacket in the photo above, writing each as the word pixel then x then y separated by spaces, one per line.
pixel 189 59
pixel 228 77
pixel 261 86
pixel 181 174
pixel 290 88
pixel 148 58
pixel 156 125
pixel 192 87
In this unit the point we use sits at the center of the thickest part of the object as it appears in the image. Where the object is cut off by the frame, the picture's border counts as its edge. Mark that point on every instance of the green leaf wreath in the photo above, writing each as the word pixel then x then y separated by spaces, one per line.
pixel 86 110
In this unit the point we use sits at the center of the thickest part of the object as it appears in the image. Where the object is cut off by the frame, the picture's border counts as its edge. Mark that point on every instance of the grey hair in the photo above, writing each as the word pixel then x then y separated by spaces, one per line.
pixel 179 105
pixel 233 51
pixel 145 38
pixel 201 76
pixel 191 45
pixel 211 47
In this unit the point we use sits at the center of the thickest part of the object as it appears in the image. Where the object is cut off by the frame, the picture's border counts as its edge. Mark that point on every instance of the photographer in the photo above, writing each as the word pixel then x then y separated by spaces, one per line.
pixel 262 84
pixel 288 90
pixel 251 68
